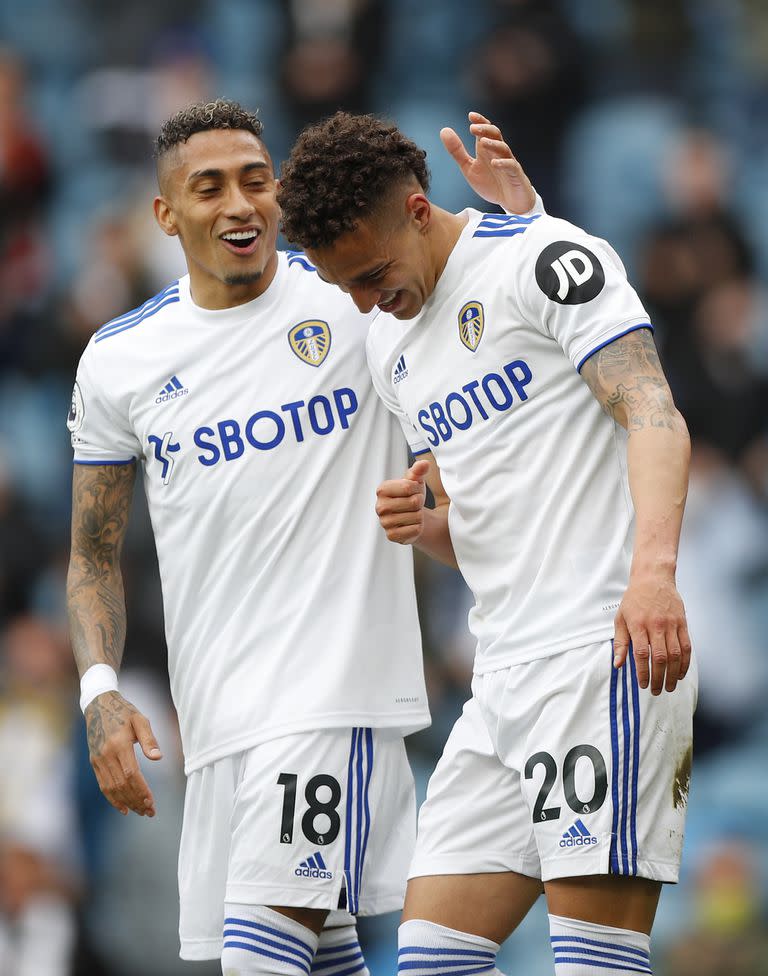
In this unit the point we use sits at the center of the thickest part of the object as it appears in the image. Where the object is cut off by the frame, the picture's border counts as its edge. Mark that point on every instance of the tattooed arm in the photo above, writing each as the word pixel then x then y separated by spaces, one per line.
pixel 627 379
pixel 101 501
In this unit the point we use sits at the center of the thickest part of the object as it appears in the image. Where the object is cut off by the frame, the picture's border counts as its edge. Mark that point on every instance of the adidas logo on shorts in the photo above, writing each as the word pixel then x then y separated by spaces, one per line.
pixel 313 867
pixel 577 836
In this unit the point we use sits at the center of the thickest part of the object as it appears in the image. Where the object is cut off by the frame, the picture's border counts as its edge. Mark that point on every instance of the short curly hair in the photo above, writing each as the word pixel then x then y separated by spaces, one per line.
pixel 203 117
pixel 340 170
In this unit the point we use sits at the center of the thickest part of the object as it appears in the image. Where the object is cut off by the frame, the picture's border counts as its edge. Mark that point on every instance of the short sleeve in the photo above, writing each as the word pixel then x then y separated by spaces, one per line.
pixel 574 287
pixel 416 442
pixel 99 434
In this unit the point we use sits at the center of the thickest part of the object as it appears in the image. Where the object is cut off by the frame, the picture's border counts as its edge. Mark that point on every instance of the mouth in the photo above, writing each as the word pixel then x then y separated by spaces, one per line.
pixel 241 242
pixel 392 304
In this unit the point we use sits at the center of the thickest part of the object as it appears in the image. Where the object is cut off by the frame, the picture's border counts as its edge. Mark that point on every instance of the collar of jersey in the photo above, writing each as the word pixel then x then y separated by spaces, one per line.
pixel 239 313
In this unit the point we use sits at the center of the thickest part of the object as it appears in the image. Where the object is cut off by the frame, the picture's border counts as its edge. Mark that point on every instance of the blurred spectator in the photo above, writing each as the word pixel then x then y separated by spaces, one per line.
pixel 528 77
pixel 333 48
pixel 39 853
pixel 727 938
pixel 22 552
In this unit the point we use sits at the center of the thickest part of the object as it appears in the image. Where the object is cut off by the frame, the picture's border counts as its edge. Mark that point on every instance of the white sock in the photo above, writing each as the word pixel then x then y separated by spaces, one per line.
pixel 261 942
pixel 427 949
pixel 587 949
pixel 339 953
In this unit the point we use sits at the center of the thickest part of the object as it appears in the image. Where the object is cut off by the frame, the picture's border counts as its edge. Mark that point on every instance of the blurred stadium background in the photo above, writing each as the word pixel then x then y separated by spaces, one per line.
pixel 646 121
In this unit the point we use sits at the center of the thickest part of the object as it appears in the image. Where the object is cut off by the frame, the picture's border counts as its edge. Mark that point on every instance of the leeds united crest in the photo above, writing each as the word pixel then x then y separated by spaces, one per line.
pixel 471 324
pixel 311 341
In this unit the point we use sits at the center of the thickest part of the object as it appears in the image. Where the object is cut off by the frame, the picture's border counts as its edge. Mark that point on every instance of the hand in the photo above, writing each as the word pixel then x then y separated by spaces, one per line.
pixel 652 616
pixel 114 726
pixel 400 504
pixel 493 172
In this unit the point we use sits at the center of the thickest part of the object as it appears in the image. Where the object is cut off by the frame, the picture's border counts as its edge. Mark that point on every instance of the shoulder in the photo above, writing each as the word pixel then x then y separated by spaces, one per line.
pixel 133 323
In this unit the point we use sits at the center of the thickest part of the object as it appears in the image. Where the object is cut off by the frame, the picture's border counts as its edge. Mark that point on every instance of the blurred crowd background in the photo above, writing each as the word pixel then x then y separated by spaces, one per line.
pixel 645 121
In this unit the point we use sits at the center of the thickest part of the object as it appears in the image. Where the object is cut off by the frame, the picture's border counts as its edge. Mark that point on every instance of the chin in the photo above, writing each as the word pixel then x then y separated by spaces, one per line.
pixel 243 277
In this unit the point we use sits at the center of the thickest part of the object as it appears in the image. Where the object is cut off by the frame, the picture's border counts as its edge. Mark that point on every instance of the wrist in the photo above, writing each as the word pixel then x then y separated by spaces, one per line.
pixel 643 566
pixel 97 680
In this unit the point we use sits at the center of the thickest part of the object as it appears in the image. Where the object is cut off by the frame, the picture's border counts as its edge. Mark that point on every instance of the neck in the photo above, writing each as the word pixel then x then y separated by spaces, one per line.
pixel 214 294
pixel 445 230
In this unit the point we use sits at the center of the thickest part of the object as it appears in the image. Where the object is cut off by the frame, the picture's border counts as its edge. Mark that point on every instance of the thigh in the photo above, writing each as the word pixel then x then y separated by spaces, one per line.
pixel 616 900
pixel 605 765
pixel 474 819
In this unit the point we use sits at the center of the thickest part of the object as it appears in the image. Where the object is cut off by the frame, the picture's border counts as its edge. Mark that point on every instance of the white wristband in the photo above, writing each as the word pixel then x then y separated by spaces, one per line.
pixel 96 680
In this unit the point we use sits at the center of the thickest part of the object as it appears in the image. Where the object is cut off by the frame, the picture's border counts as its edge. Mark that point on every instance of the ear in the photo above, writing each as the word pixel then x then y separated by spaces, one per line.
pixel 419 210
pixel 164 217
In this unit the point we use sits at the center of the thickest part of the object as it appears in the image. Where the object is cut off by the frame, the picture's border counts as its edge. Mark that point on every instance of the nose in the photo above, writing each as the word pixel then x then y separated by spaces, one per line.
pixel 365 298
pixel 239 206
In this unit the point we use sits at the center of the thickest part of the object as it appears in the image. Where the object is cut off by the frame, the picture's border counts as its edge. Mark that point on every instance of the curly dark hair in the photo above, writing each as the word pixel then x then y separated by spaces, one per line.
pixel 340 170
pixel 221 114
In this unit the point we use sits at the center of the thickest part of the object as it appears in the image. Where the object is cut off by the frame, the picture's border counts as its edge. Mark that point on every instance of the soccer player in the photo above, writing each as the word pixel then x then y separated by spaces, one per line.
pixel 242 392
pixel 521 366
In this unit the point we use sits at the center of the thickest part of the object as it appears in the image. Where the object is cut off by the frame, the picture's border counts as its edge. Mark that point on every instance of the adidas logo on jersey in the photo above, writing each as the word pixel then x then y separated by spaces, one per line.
pixel 577 836
pixel 400 371
pixel 173 389
pixel 313 867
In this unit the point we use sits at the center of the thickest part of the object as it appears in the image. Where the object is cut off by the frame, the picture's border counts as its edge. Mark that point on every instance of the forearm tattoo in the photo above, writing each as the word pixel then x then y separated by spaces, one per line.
pixel 627 379
pixel 101 501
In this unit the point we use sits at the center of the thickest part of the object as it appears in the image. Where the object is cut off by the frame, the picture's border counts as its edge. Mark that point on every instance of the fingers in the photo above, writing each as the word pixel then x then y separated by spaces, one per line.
pixel 641 651
pixel 658 657
pixel 685 649
pixel 146 737
pixel 418 471
pixel 620 641
pixel 455 147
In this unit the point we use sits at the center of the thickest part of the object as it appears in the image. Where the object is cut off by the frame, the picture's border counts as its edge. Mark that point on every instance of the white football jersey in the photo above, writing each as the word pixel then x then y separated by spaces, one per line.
pixel 486 377
pixel 262 443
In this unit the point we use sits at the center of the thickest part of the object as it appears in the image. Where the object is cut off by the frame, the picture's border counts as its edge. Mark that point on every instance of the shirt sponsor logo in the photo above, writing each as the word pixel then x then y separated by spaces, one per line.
pixel 477 401
pixel 164 449
pixel 569 274
pixel 265 430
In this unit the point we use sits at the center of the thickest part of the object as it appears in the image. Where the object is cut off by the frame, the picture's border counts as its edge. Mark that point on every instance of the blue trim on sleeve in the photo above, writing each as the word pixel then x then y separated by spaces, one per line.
pixel 426 450
pixel 634 328
pixel 129 461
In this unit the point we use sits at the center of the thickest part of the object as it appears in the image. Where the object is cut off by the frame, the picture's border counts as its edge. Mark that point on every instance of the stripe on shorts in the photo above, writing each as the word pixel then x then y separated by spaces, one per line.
pixel 624 710
pixel 358 813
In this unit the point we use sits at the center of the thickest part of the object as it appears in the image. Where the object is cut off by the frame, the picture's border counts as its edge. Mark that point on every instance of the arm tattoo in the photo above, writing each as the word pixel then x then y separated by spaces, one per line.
pixel 101 501
pixel 627 379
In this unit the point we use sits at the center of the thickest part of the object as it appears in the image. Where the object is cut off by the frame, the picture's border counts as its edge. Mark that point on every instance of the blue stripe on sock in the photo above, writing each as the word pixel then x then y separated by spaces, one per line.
pixel 401 967
pixel 338 961
pixel 602 965
pixel 354 969
pixel 262 952
pixel 442 963
pixel 581 940
pixel 340 948
pixel 276 932
pixel 592 957
pixel 429 951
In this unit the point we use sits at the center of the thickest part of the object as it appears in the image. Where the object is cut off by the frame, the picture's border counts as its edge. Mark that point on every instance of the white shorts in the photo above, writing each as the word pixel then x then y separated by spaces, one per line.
pixel 317 820
pixel 559 768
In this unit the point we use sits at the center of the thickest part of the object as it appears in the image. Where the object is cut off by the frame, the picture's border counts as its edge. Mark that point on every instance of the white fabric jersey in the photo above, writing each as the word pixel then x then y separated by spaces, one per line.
pixel 262 444
pixel 486 377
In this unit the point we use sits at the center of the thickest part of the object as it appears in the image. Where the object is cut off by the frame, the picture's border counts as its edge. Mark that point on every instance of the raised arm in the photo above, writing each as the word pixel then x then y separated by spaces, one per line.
pixel 101 501
pixel 627 379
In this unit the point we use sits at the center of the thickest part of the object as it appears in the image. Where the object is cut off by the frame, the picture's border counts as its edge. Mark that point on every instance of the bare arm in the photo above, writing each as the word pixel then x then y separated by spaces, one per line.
pixel 627 379
pixel 401 511
pixel 101 501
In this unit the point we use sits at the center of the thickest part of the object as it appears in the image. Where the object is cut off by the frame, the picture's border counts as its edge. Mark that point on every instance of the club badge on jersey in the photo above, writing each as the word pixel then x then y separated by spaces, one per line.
pixel 311 341
pixel 471 325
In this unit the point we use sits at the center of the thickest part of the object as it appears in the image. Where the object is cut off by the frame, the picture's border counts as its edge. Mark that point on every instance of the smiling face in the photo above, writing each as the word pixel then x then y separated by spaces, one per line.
pixel 218 195
pixel 386 261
